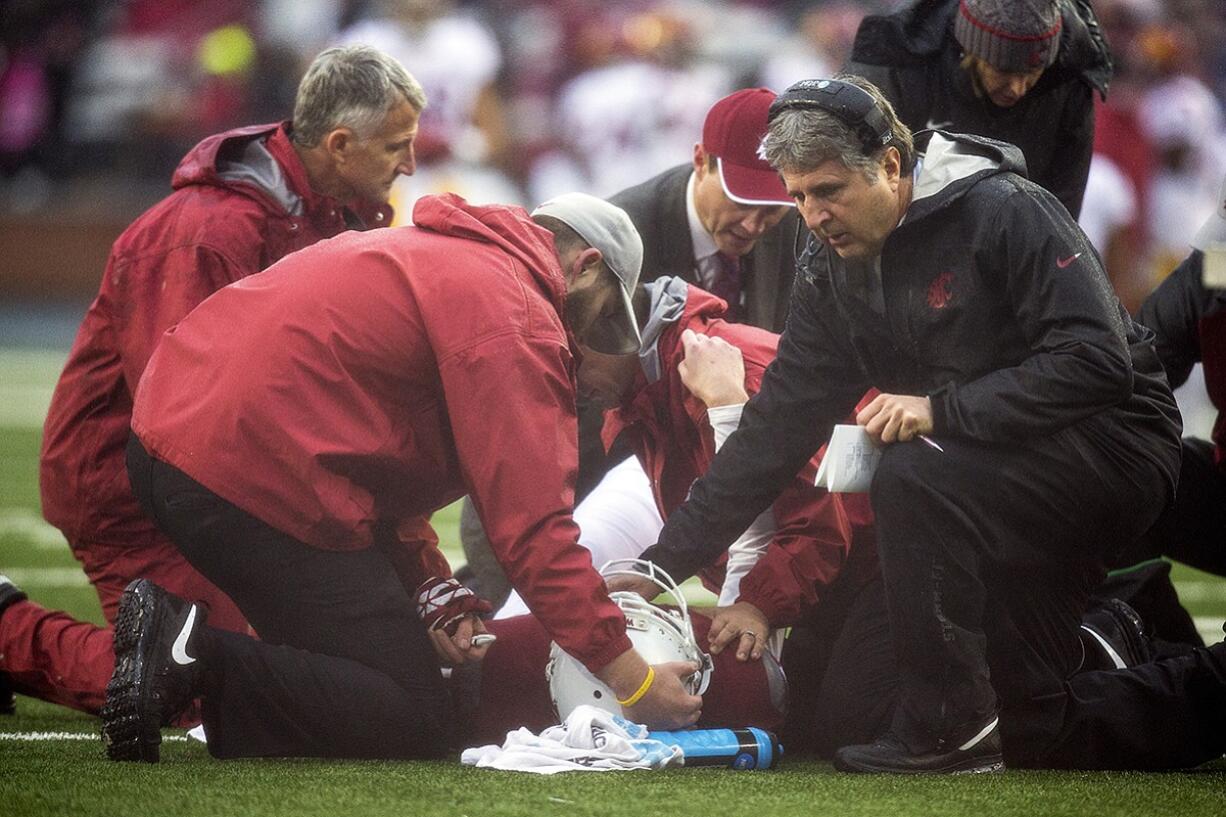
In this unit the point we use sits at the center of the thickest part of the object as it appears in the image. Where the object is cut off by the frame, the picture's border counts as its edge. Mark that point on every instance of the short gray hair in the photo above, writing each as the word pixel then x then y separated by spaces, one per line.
pixel 800 139
pixel 351 87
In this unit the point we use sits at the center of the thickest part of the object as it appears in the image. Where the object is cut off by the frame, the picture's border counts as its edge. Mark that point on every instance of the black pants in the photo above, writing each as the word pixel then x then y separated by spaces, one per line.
pixel 842 675
pixel 990 554
pixel 1192 530
pixel 343 666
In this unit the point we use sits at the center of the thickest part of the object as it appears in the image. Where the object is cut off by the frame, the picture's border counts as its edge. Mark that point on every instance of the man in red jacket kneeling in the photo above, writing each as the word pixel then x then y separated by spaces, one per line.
pixel 294 432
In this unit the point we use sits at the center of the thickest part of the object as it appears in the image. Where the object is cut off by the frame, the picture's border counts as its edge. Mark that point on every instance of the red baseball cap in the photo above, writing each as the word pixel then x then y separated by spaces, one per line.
pixel 732 133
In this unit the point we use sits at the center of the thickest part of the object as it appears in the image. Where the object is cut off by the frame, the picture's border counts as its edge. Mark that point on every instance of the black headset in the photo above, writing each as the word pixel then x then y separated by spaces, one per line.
pixel 853 106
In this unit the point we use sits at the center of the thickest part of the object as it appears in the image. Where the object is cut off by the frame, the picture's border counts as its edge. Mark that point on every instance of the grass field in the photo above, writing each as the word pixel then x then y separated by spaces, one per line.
pixel 51 761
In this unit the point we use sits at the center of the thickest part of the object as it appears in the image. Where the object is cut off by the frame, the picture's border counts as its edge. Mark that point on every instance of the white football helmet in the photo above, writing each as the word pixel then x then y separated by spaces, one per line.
pixel 658 634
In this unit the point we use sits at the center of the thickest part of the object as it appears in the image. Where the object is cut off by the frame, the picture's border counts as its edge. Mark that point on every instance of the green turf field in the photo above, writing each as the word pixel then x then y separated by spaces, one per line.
pixel 51 761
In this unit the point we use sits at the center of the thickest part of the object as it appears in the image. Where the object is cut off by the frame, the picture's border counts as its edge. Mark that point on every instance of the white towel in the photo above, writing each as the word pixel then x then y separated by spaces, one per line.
pixel 591 740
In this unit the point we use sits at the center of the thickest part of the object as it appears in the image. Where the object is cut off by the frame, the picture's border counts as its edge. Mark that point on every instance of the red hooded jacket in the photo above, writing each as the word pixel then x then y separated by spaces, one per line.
pixel 820 537
pixel 376 377
pixel 242 200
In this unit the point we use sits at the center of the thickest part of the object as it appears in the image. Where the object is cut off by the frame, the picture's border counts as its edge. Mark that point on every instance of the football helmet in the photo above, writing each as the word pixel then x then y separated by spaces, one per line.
pixel 659 634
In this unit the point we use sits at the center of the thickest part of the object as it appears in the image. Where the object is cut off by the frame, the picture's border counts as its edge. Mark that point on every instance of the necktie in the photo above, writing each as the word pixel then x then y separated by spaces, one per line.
pixel 727 284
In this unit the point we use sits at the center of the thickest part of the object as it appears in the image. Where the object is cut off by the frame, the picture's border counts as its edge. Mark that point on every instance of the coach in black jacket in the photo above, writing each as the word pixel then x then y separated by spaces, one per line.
pixel 743 211
pixel 970 298
pixel 1022 71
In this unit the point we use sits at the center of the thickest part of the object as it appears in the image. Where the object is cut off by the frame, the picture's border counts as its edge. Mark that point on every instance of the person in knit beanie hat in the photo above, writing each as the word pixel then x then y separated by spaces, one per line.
pixel 1013 36
pixel 1008 44
pixel 1021 71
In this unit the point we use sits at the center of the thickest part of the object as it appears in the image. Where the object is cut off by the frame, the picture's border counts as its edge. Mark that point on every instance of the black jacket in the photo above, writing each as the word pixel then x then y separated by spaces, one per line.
pixel 657 208
pixel 1189 322
pixel 991 302
pixel 913 57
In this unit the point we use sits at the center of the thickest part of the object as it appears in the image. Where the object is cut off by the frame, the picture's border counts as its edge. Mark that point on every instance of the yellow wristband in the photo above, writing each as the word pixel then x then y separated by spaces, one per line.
pixel 642 690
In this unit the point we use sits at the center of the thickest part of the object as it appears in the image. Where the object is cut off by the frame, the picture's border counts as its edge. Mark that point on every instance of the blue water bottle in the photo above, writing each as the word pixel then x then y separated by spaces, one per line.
pixel 749 748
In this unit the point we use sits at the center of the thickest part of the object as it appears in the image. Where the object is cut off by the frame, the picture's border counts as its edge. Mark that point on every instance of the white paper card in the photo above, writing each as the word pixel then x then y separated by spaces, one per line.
pixel 851 458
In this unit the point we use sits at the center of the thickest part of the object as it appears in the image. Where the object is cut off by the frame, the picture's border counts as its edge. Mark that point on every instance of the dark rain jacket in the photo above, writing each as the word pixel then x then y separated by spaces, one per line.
pixel 991 302
pixel 1189 321
pixel 913 57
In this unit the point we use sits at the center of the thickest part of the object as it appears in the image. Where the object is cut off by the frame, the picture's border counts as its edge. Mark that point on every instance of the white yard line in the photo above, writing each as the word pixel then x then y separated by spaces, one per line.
pixel 24 523
pixel 54 736
pixel 1201 590
pixel 46 577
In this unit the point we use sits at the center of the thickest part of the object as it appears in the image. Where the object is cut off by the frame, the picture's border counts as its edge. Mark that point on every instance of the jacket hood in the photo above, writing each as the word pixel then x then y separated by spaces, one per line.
pixel 915 34
pixel 672 300
pixel 510 228
pixel 954 163
pixel 261 162
pixel 235 158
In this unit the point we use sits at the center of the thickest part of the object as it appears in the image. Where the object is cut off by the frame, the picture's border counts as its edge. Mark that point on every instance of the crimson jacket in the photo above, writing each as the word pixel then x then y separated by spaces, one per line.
pixel 241 201
pixel 376 377
pixel 818 534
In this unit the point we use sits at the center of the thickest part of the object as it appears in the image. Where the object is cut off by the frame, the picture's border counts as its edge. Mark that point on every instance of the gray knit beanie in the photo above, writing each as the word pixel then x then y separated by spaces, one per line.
pixel 1017 36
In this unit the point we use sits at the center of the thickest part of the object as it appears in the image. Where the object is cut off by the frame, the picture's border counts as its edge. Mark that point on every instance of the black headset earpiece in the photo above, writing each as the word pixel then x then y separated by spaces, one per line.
pixel 853 105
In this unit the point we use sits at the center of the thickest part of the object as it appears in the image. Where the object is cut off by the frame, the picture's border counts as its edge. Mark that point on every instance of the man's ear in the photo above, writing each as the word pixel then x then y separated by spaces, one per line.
pixel 892 162
pixel 700 160
pixel 338 144
pixel 586 259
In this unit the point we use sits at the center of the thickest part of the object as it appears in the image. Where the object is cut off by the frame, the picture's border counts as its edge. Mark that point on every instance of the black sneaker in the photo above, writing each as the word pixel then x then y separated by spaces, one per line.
pixel 10 593
pixel 156 670
pixel 1113 637
pixel 889 755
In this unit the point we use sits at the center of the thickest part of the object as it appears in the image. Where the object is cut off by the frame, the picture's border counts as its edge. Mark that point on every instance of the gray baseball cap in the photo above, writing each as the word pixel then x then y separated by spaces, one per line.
pixel 607 228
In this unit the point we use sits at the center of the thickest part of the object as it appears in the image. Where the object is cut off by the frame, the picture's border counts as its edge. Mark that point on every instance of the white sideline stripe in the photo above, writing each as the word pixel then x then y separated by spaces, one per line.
pixel 47 576
pixel 24 523
pixel 1201 590
pixel 24 406
pixel 48 736
pixel 1209 627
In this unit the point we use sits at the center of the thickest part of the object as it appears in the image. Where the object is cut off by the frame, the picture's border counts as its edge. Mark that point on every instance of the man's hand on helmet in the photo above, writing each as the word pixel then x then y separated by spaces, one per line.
pixel 667 704
pixel 741 624
pixel 661 702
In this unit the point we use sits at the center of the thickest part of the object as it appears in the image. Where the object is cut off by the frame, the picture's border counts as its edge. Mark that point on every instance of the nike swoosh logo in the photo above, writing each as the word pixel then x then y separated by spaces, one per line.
pixel 937 125
pixel 178 650
pixel 1064 262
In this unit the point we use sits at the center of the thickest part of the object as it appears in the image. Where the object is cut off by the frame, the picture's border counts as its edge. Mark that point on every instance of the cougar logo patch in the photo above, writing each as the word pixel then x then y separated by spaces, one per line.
pixel 940 291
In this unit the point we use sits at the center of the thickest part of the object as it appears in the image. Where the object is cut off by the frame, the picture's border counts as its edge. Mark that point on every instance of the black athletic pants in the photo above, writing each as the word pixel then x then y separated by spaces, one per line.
pixel 842 675
pixel 343 666
pixel 989 554
pixel 1191 530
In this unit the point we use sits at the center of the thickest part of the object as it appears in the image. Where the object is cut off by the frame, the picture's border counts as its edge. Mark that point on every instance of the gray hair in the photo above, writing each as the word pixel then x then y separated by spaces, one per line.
pixel 352 87
pixel 800 139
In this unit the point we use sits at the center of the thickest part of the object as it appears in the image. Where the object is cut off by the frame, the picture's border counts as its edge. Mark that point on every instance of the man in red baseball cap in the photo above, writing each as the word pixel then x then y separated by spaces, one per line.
pixel 719 220
pixel 722 222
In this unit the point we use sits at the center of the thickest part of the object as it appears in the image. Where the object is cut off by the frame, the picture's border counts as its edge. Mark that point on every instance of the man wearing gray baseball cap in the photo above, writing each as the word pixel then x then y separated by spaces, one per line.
pixel 607 229
pixel 293 435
